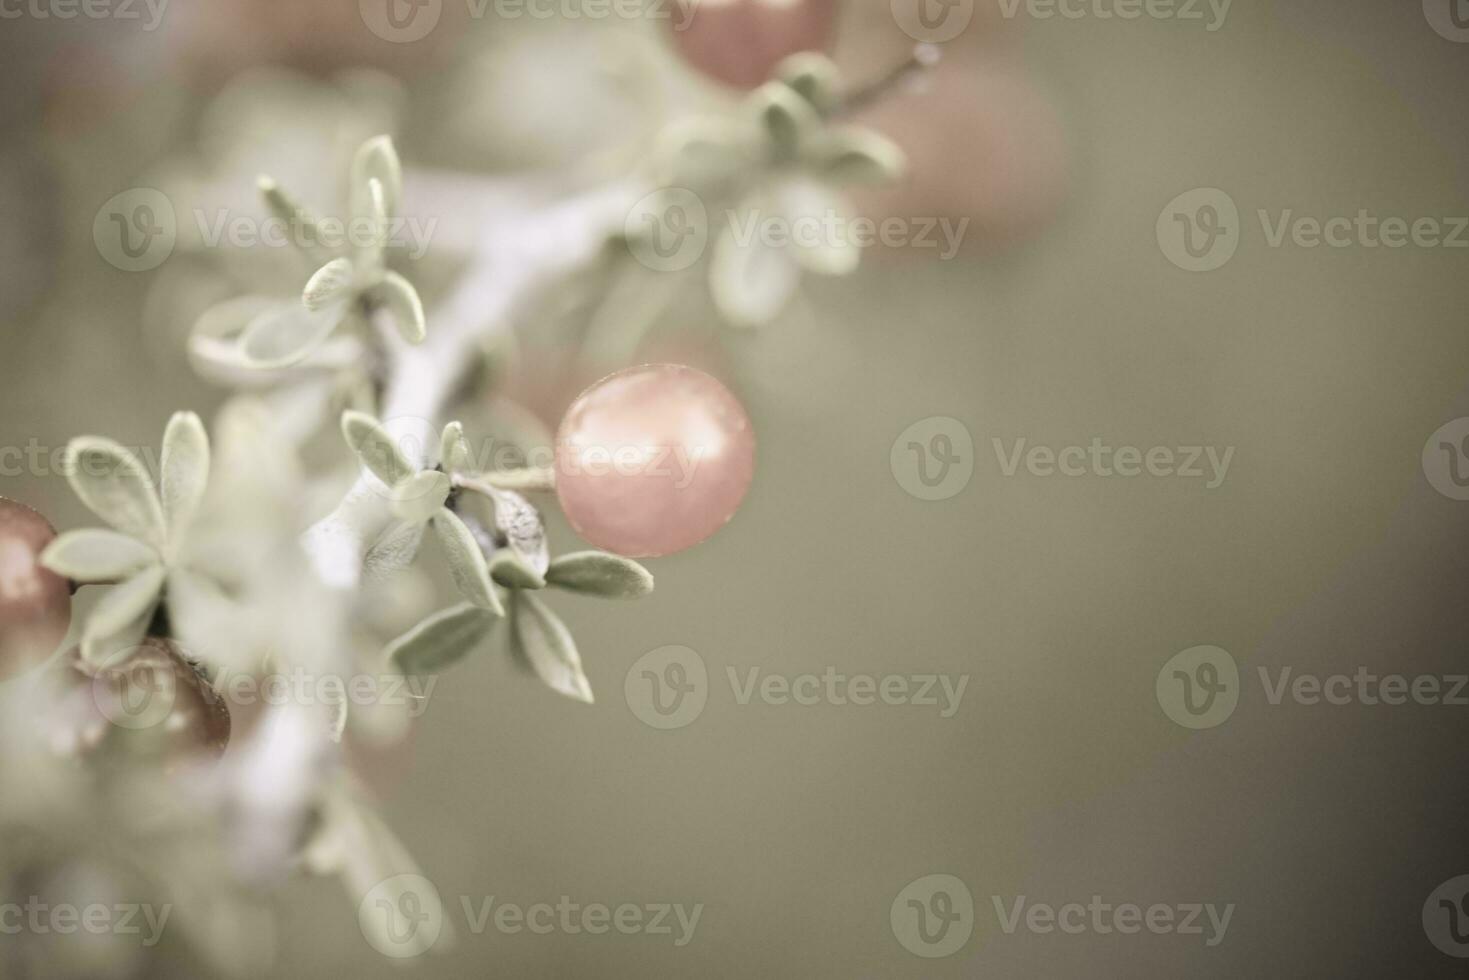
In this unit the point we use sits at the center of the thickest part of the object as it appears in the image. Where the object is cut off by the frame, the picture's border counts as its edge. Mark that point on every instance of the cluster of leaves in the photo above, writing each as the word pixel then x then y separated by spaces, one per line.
pixel 144 552
pixel 495 568
pixel 323 328
pixel 781 157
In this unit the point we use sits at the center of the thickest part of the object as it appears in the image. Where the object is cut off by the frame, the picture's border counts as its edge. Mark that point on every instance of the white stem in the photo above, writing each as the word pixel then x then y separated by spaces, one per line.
pixel 517 257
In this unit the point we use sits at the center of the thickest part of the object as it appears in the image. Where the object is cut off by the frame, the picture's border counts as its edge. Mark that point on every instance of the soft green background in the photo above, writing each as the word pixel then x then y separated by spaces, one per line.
pixel 1059 778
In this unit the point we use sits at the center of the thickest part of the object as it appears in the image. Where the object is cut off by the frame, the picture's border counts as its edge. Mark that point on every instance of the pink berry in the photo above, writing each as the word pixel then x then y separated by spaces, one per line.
pixel 653 460
pixel 741 41
pixel 35 603
pixel 152 703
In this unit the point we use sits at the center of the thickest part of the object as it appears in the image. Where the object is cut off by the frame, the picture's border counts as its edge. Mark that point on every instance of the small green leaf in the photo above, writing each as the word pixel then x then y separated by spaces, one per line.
pixel 376 448
pixel 509 569
pixel 442 639
pixel 97 555
pixel 454 453
pixel 401 300
pixel 287 334
pixel 813 76
pixel 466 561
pixel 370 254
pixel 787 119
pixel 519 521
pixel 853 155
pixel 184 472
pixel 329 284
pixel 120 618
pixel 420 496
pixel 376 159
pixel 600 574
pixel 540 641
pixel 292 212
pixel 111 481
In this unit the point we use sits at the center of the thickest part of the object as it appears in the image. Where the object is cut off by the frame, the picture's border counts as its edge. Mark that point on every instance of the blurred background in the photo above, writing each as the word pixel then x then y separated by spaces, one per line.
pixel 1080 305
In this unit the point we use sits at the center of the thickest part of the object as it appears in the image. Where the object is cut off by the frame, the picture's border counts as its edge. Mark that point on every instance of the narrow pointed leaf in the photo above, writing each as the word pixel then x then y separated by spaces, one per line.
pixel 292 212
pixel 121 617
pixel 97 555
pixel 376 448
pixel 377 159
pixel 185 471
pixel 401 300
pixel 752 281
pixel 853 155
pixel 813 77
pixel 540 641
pixel 454 453
pixel 811 204
pixel 600 574
pixel 442 639
pixel 520 522
pixel 509 569
pixel 787 119
pixel 330 283
pixel 113 484
pixel 466 562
